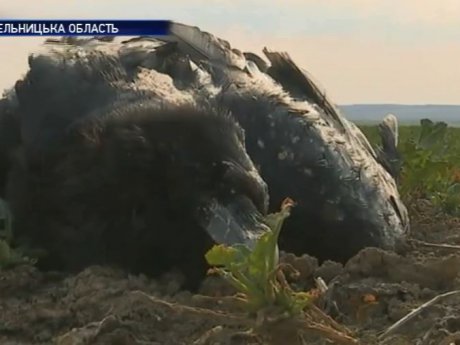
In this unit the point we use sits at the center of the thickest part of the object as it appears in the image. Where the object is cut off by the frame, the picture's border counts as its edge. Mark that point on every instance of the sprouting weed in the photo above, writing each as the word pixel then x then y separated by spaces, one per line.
pixel 257 274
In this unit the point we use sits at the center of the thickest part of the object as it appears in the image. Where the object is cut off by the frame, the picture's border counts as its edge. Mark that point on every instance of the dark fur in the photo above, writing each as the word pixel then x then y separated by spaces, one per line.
pixel 9 140
pixel 309 151
pixel 113 175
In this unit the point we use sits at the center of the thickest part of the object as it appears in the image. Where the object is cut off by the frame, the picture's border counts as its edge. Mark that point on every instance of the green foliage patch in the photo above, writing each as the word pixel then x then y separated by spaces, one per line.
pixel 431 163
pixel 256 273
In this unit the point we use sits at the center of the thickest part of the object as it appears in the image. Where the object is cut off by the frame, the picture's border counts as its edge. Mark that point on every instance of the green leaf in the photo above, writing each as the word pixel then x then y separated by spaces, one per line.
pixel 253 273
pixel 454 189
pixel 221 255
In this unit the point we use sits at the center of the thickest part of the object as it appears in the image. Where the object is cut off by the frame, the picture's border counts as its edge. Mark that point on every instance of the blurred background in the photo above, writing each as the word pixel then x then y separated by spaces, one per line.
pixel 371 56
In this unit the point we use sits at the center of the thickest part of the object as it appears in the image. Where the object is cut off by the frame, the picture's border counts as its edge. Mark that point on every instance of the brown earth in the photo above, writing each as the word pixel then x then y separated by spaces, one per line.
pixel 102 305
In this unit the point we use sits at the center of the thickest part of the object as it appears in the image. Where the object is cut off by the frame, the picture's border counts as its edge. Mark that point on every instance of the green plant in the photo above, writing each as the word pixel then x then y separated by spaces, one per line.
pixel 283 315
pixel 257 274
pixel 431 163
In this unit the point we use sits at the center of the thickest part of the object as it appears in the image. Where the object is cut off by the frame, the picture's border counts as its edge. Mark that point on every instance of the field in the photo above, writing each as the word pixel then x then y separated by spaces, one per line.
pixel 431 169
pixel 365 297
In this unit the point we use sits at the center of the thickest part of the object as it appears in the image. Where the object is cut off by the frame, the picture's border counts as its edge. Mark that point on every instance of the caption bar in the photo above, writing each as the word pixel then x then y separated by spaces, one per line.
pixel 84 27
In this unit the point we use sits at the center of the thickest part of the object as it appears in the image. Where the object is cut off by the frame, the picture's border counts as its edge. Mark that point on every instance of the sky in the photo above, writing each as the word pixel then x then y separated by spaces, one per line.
pixel 361 51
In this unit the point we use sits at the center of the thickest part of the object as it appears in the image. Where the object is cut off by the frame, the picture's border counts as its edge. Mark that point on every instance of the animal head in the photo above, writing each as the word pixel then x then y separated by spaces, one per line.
pixel 194 157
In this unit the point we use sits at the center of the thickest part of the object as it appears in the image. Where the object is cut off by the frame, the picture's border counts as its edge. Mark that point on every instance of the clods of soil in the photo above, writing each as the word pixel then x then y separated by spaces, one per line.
pixel 374 290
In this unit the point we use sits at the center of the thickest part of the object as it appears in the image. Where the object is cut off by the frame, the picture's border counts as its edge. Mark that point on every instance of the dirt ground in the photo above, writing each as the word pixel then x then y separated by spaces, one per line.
pixel 102 305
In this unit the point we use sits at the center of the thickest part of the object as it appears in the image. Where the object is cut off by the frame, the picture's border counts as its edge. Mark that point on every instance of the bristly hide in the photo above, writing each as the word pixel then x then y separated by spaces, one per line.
pixel 124 169
pixel 301 144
